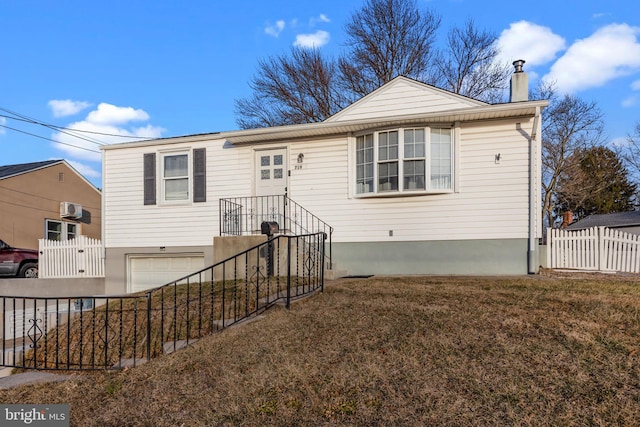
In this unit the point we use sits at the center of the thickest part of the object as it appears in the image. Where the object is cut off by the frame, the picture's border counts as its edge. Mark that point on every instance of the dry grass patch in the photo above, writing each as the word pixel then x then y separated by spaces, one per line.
pixel 119 328
pixel 394 351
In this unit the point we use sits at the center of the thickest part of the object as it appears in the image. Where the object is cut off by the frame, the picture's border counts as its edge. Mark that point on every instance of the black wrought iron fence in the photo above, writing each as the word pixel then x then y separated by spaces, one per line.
pixel 111 332
pixel 240 216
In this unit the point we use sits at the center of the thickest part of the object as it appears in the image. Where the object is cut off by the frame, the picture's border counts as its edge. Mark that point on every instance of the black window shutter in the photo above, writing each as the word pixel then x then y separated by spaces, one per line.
pixel 199 175
pixel 150 179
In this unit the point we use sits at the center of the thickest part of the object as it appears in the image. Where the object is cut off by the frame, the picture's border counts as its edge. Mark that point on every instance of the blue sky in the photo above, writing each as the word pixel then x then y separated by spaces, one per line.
pixel 165 68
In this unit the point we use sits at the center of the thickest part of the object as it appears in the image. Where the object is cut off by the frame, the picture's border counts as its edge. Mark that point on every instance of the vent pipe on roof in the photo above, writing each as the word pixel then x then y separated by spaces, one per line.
pixel 519 83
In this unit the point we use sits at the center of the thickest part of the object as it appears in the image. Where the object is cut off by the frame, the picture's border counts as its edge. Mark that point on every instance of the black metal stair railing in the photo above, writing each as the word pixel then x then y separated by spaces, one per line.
pixel 111 332
pixel 241 216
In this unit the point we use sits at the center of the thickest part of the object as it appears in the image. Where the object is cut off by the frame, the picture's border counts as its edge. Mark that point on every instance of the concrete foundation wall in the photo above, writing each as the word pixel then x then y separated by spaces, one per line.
pixel 228 246
pixel 458 257
pixel 52 287
pixel 461 257
pixel 542 256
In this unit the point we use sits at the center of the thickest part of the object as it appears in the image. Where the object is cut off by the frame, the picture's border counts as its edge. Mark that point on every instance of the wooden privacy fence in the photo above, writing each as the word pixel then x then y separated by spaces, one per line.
pixel 79 257
pixel 596 249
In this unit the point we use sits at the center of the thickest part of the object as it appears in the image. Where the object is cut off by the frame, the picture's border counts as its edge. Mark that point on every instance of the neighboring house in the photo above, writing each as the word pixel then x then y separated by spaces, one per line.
pixel 623 221
pixel 413 179
pixel 47 200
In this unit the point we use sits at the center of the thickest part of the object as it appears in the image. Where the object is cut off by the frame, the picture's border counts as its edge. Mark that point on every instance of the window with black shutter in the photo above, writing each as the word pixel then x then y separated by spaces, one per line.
pixel 150 179
pixel 199 175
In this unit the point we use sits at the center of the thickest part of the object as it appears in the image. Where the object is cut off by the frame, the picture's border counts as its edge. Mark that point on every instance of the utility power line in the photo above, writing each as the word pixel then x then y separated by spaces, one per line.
pixel 49 139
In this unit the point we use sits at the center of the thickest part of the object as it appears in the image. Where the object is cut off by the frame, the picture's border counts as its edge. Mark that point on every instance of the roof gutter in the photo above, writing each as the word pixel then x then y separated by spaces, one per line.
pixel 324 129
pixel 485 112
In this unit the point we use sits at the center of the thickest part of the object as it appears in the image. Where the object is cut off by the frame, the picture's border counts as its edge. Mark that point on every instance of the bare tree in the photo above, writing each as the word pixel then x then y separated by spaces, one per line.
pixel 570 124
pixel 291 89
pixel 469 65
pixel 630 153
pixel 386 39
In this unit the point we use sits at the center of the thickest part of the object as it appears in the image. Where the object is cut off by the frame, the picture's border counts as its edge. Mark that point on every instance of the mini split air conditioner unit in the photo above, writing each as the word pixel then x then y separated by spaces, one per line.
pixel 70 210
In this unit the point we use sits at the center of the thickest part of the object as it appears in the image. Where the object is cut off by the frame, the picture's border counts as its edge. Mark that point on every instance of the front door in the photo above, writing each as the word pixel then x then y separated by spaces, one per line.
pixel 271 186
pixel 271 172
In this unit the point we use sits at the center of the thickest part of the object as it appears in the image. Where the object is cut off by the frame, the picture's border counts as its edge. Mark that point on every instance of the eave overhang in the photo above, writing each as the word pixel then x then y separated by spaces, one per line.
pixel 326 129
pixel 311 130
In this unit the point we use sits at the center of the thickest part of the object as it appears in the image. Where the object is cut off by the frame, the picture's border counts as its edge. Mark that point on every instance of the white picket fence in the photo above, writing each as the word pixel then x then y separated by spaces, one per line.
pixel 596 249
pixel 79 257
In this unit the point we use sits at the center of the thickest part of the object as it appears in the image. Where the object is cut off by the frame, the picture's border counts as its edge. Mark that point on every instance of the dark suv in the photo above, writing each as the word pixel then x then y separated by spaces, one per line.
pixel 18 262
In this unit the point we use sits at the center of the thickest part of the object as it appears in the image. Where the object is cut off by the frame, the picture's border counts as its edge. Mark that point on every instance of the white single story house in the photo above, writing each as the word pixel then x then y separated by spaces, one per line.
pixel 413 179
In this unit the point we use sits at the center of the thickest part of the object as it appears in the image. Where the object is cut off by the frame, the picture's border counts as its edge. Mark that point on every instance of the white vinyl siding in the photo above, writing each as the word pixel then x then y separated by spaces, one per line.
pixel 492 202
pixel 403 96
pixel 128 222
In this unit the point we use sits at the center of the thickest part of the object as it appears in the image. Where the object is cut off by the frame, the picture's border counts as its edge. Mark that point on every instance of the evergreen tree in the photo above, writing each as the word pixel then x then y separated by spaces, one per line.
pixel 595 181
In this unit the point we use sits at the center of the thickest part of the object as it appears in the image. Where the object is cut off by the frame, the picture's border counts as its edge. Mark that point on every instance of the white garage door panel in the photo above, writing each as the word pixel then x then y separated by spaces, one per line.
pixel 150 272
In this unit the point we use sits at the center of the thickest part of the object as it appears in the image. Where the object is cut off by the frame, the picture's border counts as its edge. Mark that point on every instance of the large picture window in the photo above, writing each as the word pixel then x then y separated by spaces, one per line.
pixel 404 160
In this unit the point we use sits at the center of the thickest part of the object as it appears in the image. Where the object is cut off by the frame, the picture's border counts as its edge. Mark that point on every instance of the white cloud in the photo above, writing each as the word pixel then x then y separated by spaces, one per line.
pixel 620 141
pixel 110 124
pixel 3 121
pixel 148 131
pixel 67 107
pixel 631 101
pixel 525 40
pixel 610 52
pixel 317 39
pixel 108 114
pixel 321 18
pixel 635 85
pixel 275 29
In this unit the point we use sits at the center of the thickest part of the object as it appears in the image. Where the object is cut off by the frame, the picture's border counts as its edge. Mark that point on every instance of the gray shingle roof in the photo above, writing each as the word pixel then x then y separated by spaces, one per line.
pixel 619 219
pixel 12 170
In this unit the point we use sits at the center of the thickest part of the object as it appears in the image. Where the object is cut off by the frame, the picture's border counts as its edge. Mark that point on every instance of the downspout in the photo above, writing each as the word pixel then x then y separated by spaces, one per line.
pixel 534 194
pixel 102 206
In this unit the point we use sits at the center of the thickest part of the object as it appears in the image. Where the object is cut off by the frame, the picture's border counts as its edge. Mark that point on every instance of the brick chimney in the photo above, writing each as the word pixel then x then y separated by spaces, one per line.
pixel 519 83
pixel 567 219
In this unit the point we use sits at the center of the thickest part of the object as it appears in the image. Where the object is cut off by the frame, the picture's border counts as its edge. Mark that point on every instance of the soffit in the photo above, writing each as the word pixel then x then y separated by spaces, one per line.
pixel 311 130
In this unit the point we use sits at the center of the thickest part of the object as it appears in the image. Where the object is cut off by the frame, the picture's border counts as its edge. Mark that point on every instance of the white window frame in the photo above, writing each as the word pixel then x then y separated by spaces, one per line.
pixel 164 179
pixel 64 229
pixel 401 191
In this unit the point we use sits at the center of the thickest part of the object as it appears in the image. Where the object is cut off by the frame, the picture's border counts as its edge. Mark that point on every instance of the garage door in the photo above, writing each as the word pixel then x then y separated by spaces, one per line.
pixel 150 272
